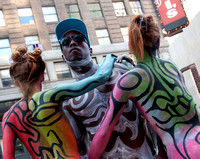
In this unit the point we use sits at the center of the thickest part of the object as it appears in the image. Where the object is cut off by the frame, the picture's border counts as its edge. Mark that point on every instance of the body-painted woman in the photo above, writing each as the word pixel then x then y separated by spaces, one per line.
pixel 157 88
pixel 37 118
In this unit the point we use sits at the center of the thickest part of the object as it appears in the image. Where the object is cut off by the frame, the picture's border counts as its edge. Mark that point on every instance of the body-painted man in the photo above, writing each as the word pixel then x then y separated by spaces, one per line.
pixel 37 119
pixel 157 88
pixel 128 139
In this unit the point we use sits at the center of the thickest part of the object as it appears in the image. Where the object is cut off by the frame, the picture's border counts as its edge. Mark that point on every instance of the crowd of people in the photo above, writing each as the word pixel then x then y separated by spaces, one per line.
pixel 117 110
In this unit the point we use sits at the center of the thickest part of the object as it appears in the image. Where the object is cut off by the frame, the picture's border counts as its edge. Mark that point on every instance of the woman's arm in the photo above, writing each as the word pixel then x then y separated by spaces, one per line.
pixel 117 104
pixel 104 132
pixel 69 90
pixel 9 140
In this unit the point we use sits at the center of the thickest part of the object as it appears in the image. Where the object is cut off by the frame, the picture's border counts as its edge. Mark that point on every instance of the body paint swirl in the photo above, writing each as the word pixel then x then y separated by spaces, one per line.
pixel 160 94
pixel 39 122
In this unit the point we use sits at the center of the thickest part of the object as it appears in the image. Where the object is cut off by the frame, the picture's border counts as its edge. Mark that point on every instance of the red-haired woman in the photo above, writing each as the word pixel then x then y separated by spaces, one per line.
pixel 157 88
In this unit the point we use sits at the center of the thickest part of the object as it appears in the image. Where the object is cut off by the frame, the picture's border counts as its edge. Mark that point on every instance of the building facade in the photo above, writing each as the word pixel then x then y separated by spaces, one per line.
pixel 34 21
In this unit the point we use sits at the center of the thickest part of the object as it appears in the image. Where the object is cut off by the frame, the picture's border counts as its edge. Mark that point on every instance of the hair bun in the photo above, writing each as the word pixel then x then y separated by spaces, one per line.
pixel 18 53
pixel 37 51
pixel 35 54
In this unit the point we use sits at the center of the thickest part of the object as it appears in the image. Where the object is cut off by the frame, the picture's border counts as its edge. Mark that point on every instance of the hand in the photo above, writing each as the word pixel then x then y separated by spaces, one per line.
pixel 126 58
pixel 106 67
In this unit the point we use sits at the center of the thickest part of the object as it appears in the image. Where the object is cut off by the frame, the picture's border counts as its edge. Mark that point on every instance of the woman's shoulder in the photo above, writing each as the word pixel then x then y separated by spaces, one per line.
pixel 139 72
pixel 168 64
pixel 140 68
pixel 16 108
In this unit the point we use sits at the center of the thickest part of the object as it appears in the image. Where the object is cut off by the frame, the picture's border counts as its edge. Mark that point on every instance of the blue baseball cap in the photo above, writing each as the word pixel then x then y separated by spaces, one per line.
pixel 71 24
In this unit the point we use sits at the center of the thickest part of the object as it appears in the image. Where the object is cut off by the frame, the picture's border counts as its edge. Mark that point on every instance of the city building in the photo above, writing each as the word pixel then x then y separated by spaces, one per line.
pixel 34 21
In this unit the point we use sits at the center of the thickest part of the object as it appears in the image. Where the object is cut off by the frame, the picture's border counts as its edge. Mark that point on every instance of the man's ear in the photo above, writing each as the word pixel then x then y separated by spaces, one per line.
pixel 64 58
pixel 91 51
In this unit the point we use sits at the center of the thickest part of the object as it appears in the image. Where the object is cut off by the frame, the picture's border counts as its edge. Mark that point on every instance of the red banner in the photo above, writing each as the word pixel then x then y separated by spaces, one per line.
pixel 171 13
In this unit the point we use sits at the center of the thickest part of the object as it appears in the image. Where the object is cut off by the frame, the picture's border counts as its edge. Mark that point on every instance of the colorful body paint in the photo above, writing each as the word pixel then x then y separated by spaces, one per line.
pixel 157 88
pixel 128 138
pixel 39 122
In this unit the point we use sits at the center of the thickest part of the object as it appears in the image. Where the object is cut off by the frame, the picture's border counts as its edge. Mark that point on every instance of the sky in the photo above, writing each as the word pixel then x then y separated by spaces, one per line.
pixel 191 8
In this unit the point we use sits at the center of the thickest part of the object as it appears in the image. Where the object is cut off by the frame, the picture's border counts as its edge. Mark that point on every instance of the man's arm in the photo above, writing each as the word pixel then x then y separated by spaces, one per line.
pixel 66 91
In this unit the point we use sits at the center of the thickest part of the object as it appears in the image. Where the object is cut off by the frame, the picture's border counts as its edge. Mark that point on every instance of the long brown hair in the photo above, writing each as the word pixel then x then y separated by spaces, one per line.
pixel 27 68
pixel 143 34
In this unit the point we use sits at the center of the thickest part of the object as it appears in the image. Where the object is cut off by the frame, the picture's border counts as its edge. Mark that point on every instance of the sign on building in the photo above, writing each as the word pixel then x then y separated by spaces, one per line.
pixel 172 16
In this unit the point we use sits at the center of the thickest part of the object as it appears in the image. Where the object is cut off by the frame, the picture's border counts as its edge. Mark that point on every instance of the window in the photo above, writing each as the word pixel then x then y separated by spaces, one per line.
pixel 136 7
pixel 5 78
pixel 49 14
pixel 124 31
pixel 119 8
pixel 62 70
pixel 4 47
pixel 2 22
pixel 103 36
pixel 25 16
pixel 54 42
pixel 95 11
pixel 30 40
pixel 73 11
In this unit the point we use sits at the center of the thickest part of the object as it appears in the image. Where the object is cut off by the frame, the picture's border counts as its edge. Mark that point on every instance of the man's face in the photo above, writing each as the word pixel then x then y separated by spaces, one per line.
pixel 75 50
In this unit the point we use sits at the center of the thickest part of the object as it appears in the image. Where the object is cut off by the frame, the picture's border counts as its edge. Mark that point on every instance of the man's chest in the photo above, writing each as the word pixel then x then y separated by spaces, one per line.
pixel 98 97
pixel 91 102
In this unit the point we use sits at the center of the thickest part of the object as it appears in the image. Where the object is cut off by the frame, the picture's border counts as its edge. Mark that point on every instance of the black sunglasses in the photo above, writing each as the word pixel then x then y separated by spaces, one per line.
pixel 77 38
